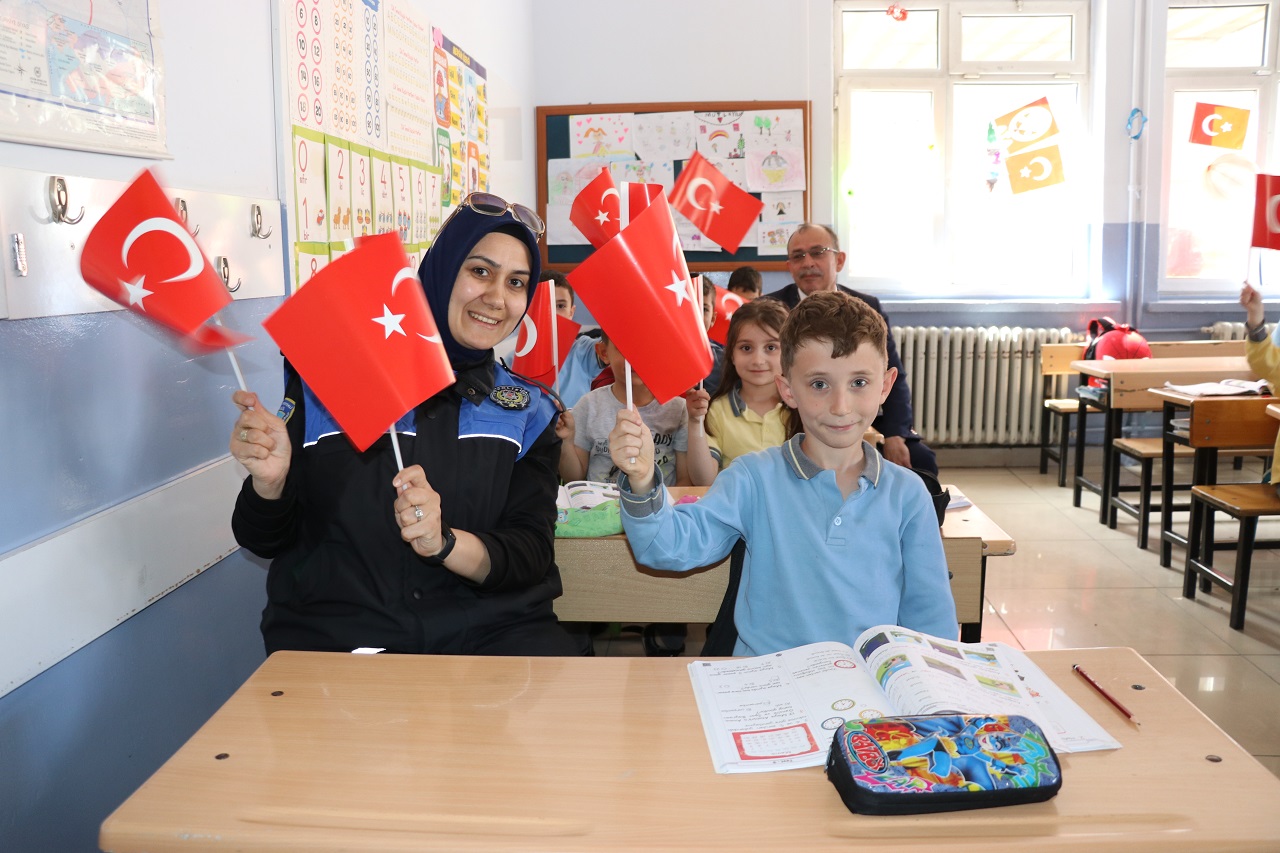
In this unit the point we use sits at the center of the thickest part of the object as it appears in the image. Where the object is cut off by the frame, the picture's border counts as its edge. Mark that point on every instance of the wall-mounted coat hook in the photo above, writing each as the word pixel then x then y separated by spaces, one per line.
pixel 255 227
pixel 58 201
pixel 181 205
pixel 223 267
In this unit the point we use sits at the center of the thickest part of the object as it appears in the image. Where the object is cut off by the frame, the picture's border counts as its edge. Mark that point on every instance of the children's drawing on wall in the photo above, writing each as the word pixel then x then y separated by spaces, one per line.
pixel 691 239
pixel 663 136
pixel 776 129
pixel 772 237
pixel 721 135
pixel 644 172
pixel 605 135
pixel 775 169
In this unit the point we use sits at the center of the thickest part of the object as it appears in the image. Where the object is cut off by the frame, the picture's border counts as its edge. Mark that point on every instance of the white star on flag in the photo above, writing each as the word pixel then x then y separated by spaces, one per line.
pixel 602 218
pixel 680 287
pixel 389 322
pixel 716 207
pixel 1225 127
pixel 137 291
pixel 1025 172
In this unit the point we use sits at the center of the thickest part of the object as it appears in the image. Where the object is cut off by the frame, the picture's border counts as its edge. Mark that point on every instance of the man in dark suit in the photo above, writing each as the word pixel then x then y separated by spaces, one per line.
pixel 814 260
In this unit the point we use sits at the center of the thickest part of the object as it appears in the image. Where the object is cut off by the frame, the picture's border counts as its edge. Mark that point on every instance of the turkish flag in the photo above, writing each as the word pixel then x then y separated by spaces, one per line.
pixel 1027 126
pixel 595 210
pixel 639 196
pixel 539 328
pixel 638 288
pixel 362 336
pixel 1219 126
pixel 726 303
pixel 1266 220
pixel 723 212
pixel 1033 170
pixel 140 255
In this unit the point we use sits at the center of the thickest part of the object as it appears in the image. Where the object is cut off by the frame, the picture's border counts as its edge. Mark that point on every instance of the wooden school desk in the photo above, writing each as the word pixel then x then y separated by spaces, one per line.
pixel 1128 390
pixel 1215 423
pixel 603 582
pixel 323 751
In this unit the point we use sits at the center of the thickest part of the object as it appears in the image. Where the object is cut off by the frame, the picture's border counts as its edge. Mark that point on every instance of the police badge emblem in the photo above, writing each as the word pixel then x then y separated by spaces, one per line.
pixel 510 397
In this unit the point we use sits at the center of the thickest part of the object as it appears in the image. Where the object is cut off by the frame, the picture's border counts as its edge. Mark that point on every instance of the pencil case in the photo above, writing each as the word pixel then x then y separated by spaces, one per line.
pixel 941 762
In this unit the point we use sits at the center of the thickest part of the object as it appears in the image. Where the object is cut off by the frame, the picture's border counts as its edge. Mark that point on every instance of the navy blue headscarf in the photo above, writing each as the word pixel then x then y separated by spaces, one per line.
pixel 440 266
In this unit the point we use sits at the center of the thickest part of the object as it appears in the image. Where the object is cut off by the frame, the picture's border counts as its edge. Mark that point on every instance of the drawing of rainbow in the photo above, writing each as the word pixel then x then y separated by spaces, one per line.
pixel 717 134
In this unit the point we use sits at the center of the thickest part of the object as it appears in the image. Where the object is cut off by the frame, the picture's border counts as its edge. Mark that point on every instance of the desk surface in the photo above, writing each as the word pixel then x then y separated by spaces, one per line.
pixel 1130 380
pixel 321 751
pixel 1224 422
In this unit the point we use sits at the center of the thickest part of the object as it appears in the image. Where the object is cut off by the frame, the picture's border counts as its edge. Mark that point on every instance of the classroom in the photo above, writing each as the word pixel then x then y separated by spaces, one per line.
pixel 128 613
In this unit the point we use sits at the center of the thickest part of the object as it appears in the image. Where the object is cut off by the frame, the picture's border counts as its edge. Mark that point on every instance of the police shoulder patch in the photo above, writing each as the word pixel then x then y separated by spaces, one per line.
pixel 286 409
pixel 510 396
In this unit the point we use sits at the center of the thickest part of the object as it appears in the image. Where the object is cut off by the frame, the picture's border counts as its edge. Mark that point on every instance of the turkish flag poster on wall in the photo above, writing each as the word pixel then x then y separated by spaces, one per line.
pixel 362 336
pixel 140 255
pixel 638 288
pixel 716 206
pixel 1219 126
pixel 540 329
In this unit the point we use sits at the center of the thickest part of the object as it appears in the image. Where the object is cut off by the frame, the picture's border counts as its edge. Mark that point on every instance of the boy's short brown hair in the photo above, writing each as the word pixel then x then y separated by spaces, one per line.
pixel 745 279
pixel 844 320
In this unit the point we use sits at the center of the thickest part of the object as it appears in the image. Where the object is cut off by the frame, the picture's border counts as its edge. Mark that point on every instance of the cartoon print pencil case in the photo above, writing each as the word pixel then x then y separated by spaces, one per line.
pixel 941 762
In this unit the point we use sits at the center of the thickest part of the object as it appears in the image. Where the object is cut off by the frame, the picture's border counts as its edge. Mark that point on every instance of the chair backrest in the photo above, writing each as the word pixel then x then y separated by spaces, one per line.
pixel 1055 359
pixel 1192 349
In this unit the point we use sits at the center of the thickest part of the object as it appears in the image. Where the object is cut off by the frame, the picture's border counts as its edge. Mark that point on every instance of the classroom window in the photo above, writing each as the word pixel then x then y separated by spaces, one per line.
pixel 1219 112
pixel 960 179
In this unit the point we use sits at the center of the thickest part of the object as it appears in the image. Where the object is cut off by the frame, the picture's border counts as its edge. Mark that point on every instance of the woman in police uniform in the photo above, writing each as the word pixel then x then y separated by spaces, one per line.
pixel 455 553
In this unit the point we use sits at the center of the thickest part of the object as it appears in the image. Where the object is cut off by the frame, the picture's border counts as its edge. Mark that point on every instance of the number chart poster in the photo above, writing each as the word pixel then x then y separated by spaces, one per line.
pixel 387 121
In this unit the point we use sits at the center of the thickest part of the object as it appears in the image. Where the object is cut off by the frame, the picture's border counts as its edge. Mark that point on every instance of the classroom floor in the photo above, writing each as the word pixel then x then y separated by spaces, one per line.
pixel 1075 583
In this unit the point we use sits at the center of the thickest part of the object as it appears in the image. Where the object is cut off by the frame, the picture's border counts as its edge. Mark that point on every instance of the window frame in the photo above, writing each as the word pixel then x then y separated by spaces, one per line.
pixel 941 82
pixel 1266 82
pixel 1077 10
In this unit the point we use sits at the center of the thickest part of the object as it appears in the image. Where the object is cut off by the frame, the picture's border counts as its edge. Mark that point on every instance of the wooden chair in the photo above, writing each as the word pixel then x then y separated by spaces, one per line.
pixel 1145 451
pixel 1245 502
pixel 1055 361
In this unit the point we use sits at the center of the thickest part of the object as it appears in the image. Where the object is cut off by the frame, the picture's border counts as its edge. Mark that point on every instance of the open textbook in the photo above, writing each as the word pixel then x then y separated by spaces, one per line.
pixel 1222 388
pixel 779 711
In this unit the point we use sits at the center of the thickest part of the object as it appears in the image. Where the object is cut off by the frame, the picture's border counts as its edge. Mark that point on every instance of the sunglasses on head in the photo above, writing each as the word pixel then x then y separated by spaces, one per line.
pixel 492 205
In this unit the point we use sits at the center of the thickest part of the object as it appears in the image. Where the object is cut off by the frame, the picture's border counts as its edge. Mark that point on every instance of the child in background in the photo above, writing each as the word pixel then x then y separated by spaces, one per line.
pixel 746 413
pixel 837 539
pixel 746 282
pixel 584 453
pixel 585 359
pixel 712 382
pixel 1262 352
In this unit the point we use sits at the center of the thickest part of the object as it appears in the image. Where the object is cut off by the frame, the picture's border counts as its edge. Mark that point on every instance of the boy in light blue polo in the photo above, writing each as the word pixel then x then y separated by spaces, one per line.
pixel 837 540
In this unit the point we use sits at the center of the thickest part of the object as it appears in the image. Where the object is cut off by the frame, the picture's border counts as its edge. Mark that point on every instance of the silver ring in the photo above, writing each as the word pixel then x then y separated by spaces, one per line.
pixel 244 435
pixel 417 513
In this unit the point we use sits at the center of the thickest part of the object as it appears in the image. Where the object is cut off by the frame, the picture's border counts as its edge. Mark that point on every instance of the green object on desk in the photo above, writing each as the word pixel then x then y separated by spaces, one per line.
pixel 603 519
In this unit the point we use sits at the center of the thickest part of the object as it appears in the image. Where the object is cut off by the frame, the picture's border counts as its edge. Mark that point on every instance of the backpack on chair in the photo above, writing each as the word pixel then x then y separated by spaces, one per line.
pixel 1109 339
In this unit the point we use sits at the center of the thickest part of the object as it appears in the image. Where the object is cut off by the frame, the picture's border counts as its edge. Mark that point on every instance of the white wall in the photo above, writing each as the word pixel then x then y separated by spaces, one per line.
pixel 774 50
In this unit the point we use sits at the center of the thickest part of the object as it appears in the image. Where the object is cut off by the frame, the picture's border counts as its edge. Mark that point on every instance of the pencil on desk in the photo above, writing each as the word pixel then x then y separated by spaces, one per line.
pixel 1105 695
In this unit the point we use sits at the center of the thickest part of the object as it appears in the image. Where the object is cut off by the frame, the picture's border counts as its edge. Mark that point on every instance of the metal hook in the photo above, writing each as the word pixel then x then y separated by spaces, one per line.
pixel 58 201
pixel 181 205
pixel 255 229
pixel 223 267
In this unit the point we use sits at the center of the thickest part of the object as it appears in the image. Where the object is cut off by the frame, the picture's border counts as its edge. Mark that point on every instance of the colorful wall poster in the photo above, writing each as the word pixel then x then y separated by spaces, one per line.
pixel 361 191
pixel 775 169
pixel 402 197
pixel 664 136
pixel 309 259
pixel 338 187
pixel 309 197
pixel 383 186
pixel 409 55
pixel 720 135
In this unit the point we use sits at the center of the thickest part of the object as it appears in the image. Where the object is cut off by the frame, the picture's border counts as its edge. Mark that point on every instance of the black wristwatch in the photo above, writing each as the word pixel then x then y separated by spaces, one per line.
pixel 446 534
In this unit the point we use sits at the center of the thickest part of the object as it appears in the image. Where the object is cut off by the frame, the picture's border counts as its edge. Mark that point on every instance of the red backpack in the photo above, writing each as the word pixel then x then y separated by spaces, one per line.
pixel 1109 339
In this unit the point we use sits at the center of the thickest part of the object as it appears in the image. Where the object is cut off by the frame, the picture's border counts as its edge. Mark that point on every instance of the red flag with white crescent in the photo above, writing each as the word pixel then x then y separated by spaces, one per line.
pixel 638 287
pixel 362 337
pixel 726 303
pixel 716 206
pixel 140 255
pixel 595 210
pixel 539 330
pixel 1266 217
